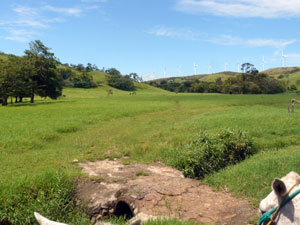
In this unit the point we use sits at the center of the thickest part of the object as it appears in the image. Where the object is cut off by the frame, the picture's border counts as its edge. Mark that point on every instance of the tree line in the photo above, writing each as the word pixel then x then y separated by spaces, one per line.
pixel 248 82
pixel 123 82
pixel 40 73
pixel 33 74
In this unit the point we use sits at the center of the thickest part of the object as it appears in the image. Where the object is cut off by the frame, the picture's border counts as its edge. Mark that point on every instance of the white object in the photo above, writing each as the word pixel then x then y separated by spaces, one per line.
pixel 44 221
pixel 290 213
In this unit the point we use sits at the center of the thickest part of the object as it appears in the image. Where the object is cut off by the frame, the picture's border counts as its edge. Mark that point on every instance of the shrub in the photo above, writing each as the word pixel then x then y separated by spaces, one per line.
pixel 210 153
pixel 120 82
pixel 84 80
pixel 280 76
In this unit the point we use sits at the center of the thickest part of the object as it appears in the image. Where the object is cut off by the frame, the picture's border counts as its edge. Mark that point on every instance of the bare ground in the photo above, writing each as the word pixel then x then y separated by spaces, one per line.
pixel 157 190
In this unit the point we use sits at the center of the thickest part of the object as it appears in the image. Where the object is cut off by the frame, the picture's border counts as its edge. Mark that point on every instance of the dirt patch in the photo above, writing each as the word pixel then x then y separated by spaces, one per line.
pixel 157 190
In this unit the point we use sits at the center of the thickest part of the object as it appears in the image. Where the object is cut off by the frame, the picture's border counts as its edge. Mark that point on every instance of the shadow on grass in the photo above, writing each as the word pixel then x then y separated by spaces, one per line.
pixel 38 103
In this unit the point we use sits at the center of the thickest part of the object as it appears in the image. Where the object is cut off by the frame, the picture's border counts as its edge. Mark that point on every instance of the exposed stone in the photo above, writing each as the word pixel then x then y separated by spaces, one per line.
pixel 147 191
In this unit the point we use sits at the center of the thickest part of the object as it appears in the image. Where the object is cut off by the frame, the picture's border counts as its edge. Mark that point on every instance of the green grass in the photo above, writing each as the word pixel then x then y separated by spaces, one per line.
pixel 45 137
pixel 293 78
pixel 253 177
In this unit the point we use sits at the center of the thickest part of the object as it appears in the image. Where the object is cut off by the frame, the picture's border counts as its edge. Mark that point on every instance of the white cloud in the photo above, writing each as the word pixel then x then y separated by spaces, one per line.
pixel 241 8
pixel 180 33
pixel 26 16
pixel 188 34
pixel 292 58
pixel 19 35
pixel 256 42
pixel 25 11
pixel 28 23
pixel 66 11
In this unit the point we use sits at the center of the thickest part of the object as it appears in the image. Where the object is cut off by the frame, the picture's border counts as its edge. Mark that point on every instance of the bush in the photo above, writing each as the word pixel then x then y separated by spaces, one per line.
pixel 120 82
pixel 210 153
pixel 84 80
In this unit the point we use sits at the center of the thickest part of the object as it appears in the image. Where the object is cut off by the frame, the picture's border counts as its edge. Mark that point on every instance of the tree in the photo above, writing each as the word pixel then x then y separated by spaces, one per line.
pixel 120 82
pixel 89 67
pixel 84 80
pixel 41 71
pixel 248 68
pixel 135 77
pixel 5 82
pixel 21 86
pixel 113 71
pixel 80 67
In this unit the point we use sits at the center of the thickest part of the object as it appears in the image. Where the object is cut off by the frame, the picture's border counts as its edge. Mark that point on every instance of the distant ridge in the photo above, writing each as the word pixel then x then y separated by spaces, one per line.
pixel 292 74
pixel 281 70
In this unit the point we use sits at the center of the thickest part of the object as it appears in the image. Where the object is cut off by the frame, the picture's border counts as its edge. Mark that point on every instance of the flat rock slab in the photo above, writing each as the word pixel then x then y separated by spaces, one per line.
pixel 156 190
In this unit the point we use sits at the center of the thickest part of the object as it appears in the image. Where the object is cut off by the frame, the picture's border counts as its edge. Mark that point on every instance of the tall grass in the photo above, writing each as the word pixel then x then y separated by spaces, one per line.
pixel 50 193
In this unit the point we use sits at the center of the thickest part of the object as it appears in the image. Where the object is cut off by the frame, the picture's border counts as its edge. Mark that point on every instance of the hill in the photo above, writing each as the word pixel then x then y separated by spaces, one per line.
pixel 3 56
pixel 281 71
pixel 288 76
pixel 200 77
pixel 98 77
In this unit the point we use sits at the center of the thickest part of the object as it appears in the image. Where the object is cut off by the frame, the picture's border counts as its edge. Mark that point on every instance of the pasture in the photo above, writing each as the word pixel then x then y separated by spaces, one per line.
pixel 39 141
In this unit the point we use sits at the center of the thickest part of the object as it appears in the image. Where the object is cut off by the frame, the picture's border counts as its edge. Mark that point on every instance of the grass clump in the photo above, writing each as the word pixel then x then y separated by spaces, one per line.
pixel 209 153
pixel 51 194
pixel 141 173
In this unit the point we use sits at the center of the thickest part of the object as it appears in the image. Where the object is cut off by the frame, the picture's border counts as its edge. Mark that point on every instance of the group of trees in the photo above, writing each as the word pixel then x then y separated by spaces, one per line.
pixel 81 68
pixel 30 75
pixel 124 82
pixel 253 83
pixel 38 72
pixel 248 82
pixel 76 79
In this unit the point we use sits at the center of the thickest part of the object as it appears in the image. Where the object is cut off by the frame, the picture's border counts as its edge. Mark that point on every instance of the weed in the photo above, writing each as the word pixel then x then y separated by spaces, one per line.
pixel 141 173
pixel 210 153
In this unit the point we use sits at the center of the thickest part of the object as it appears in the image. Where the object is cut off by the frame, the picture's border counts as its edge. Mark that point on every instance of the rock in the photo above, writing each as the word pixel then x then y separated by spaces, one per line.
pixel 102 223
pixel 136 222
pixel 141 217
pixel 163 192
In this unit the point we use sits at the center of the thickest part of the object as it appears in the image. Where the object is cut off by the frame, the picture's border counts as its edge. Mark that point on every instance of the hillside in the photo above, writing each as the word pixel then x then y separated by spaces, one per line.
pixel 201 77
pixel 100 79
pixel 3 56
pixel 281 70
pixel 291 75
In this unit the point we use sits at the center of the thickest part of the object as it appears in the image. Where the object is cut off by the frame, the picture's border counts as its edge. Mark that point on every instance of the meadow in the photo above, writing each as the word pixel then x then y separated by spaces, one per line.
pixel 39 141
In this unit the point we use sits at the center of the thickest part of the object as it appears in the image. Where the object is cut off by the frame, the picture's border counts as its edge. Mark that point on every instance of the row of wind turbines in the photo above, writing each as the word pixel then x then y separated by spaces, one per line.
pixel 152 76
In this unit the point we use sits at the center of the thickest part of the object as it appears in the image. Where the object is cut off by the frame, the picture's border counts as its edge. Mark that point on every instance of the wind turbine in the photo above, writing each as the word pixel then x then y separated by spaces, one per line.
pixel 225 66
pixel 179 71
pixel 283 58
pixel 209 68
pixel 152 77
pixel 239 66
pixel 165 73
pixel 145 77
pixel 263 63
pixel 195 68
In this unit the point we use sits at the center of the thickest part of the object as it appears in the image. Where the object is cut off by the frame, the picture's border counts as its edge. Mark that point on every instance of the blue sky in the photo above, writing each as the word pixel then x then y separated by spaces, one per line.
pixel 150 36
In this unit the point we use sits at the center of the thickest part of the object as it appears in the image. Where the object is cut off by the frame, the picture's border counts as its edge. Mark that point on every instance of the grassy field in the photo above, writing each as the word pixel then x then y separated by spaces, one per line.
pixel 41 140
